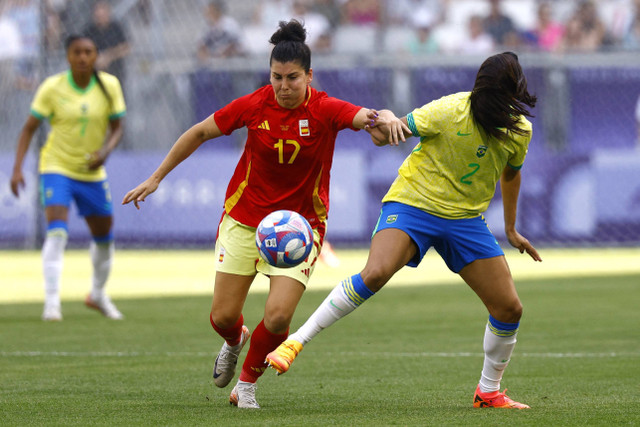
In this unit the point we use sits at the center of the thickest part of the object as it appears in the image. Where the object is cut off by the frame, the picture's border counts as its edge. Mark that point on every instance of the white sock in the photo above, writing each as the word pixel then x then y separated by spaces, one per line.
pixel 101 258
pixel 52 263
pixel 497 353
pixel 333 308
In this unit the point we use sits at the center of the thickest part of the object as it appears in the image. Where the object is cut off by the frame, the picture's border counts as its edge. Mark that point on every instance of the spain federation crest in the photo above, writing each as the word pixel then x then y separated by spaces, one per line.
pixel 304 128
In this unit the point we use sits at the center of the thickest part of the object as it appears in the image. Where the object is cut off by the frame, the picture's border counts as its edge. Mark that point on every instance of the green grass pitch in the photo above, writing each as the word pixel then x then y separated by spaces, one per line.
pixel 411 355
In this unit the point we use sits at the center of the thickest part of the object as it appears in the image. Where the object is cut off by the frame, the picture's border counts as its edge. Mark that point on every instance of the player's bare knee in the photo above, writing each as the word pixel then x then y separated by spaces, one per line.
pixel 510 312
pixel 277 322
pixel 223 320
pixel 374 277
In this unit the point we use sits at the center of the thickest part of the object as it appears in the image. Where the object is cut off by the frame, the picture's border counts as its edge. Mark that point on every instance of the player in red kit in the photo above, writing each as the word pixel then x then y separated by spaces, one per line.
pixel 286 164
pixel 288 153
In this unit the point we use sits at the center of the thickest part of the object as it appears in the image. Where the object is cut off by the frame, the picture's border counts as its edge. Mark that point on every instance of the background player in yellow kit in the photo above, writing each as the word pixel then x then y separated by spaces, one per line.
pixel 85 109
pixel 468 141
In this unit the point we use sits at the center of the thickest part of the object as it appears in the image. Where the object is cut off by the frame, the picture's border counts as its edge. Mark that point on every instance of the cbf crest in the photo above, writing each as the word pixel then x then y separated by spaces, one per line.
pixel 482 150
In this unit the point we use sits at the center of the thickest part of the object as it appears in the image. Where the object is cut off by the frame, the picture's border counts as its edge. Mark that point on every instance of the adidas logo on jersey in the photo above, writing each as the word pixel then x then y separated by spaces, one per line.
pixel 264 125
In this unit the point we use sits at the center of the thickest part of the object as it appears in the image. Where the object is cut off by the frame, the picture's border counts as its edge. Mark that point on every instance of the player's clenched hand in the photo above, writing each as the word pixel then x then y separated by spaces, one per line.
pixel 17 182
pixel 392 127
pixel 377 136
pixel 139 193
pixel 372 115
pixel 96 159
pixel 519 242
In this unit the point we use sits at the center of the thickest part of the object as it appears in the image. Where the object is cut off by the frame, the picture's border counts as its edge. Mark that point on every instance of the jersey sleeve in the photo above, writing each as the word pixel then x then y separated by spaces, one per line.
pixel 516 160
pixel 426 121
pixel 235 114
pixel 41 106
pixel 339 113
pixel 118 107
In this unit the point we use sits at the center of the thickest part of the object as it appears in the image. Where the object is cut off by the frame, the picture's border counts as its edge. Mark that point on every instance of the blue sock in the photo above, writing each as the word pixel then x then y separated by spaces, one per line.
pixel 57 224
pixel 356 290
pixel 103 239
pixel 502 329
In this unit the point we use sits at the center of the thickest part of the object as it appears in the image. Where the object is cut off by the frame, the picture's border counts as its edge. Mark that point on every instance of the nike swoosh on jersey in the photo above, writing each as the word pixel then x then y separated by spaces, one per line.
pixel 463 134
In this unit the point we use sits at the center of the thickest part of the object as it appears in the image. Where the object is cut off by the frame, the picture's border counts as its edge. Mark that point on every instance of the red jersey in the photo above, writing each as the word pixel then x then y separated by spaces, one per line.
pixel 287 158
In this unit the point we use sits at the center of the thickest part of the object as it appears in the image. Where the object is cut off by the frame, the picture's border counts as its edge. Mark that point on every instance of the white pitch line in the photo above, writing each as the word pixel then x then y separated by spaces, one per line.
pixel 366 354
pixel 465 354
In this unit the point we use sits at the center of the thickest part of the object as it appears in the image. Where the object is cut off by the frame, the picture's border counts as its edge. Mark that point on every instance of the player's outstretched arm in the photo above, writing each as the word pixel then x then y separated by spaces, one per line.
pixel 183 148
pixel 510 186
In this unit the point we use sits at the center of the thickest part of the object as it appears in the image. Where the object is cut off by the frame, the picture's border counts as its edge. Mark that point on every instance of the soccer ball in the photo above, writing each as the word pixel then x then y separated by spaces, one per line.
pixel 284 238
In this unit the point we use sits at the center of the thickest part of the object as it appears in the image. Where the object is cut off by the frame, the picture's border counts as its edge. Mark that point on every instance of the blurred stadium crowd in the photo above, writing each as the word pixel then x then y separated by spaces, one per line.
pixel 430 26
pixel 227 28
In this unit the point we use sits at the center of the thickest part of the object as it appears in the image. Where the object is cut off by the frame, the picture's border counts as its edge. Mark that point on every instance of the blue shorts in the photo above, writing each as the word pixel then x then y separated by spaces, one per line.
pixel 92 198
pixel 458 241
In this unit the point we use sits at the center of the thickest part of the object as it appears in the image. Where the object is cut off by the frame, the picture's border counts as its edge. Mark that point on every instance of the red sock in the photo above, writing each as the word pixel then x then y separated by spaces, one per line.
pixel 262 343
pixel 231 335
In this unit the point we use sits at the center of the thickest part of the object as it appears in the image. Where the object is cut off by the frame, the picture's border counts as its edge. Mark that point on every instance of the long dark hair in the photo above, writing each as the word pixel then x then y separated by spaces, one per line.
pixel 67 44
pixel 289 44
pixel 500 96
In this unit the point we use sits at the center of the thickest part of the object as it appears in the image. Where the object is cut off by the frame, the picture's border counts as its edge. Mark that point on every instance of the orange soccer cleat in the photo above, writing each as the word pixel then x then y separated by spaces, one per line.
pixel 282 357
pixel 495 399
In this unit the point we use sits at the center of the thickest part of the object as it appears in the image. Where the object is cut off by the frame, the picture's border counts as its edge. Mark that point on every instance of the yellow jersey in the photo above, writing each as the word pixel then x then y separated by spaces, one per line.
pixel 79 119
pixel 453 171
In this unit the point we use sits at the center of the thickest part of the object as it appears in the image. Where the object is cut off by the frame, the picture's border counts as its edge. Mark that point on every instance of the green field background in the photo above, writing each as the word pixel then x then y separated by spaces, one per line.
pixel 411 355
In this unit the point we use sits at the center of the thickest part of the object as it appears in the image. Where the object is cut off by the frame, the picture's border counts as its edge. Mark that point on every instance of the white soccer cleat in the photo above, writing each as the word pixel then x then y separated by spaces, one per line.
pixel 105 306
pixel 225 367
pixel 243 395
pixel 51 313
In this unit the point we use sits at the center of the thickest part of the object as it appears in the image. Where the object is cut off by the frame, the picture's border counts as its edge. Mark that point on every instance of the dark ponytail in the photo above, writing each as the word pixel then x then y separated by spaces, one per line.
pixel 500 96
pixel 289 44
pixel 69 41
pixel 102 87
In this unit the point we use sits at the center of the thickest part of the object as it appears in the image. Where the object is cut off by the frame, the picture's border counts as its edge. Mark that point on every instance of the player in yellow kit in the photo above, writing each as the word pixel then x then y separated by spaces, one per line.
pixel 84 108
pixel 468 142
